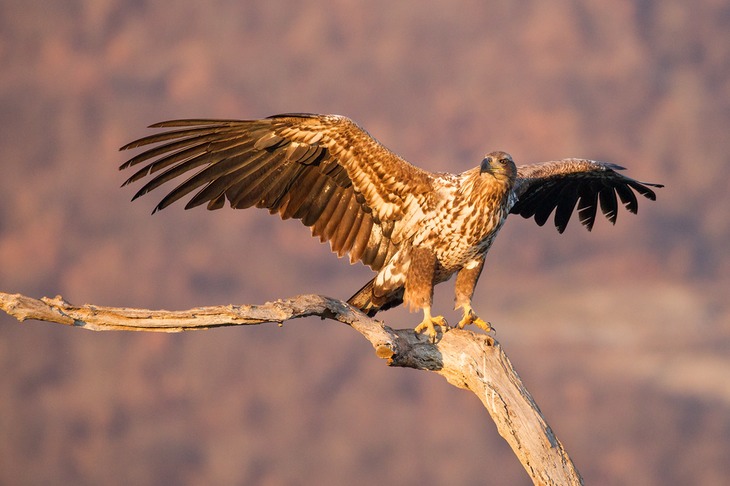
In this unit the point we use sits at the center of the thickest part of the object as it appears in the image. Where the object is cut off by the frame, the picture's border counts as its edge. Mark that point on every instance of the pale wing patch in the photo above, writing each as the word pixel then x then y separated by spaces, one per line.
pixel 470 265
pixel 393 275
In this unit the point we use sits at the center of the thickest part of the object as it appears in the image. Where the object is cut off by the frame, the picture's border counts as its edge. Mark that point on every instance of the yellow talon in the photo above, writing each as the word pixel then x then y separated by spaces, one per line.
pixel 428 324
pixel 471 318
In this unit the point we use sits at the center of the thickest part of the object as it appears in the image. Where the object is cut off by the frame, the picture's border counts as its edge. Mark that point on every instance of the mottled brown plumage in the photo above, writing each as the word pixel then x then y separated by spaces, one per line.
pixel 414 228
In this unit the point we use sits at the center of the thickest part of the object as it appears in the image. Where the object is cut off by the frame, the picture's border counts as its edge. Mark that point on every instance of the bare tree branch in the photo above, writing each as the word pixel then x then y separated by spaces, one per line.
pixel 467 360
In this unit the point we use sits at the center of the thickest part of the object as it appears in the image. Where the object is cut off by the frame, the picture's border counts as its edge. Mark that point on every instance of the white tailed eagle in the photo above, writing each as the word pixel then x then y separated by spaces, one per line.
pixel 414 228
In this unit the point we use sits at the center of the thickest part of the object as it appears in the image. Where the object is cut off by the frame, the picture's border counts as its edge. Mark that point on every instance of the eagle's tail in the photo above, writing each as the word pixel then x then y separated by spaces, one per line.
pixel 371 304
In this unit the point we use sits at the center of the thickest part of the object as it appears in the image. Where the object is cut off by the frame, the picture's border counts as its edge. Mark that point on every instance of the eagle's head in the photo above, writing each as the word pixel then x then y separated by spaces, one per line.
pixel 500 166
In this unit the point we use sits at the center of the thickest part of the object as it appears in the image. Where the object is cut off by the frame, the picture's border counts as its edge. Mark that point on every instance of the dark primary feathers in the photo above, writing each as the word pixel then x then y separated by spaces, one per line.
pixel 561 185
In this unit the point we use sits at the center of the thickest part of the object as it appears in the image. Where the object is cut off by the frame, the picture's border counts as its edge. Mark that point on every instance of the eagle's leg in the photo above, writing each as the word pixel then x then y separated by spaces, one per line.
pixel 419 290
pixel 429 322
pixel 466 280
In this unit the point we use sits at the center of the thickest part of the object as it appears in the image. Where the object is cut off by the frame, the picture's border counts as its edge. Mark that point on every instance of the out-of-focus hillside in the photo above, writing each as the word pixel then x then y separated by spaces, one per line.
pixel 622 334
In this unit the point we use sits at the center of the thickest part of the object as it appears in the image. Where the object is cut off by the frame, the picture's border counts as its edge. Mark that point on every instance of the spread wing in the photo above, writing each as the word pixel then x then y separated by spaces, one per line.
pixel 322 169
pixel 563 184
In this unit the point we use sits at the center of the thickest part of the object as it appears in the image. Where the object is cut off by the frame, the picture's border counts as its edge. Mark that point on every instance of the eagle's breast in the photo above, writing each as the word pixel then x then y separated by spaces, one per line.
pixel 466 216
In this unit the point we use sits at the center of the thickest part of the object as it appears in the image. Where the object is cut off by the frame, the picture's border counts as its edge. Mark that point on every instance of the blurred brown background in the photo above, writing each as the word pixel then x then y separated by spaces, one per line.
pixel 622 334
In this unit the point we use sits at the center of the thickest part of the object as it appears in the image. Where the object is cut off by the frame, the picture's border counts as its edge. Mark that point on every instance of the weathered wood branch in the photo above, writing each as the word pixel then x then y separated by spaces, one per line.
pixel 467 360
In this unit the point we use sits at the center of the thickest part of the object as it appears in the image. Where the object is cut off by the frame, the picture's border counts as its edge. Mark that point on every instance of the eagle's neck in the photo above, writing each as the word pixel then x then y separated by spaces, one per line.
pixel 487 189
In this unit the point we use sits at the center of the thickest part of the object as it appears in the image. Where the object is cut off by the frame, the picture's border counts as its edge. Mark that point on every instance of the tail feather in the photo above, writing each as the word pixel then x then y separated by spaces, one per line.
pixel 369 304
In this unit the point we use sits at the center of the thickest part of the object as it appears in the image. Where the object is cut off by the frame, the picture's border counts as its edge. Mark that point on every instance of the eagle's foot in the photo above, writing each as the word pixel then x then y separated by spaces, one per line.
pixel 471 318
pixel 429 324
